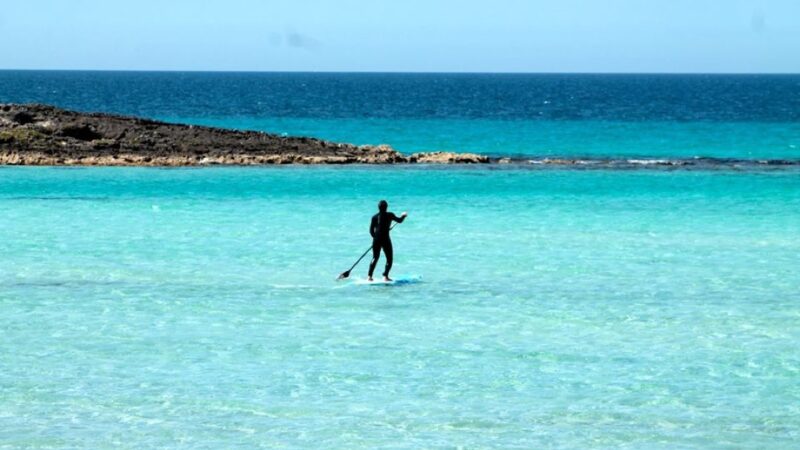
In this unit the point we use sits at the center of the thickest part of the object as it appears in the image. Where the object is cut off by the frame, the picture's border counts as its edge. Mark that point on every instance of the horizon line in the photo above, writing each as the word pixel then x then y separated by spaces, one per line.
pixel 390 72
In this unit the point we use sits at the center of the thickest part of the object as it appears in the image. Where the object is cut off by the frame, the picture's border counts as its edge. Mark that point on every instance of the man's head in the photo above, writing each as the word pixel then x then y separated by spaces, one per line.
pixel 383 206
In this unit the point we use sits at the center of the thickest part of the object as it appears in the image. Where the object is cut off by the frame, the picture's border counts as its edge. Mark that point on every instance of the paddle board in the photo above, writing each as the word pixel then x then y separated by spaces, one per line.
pixel 396 281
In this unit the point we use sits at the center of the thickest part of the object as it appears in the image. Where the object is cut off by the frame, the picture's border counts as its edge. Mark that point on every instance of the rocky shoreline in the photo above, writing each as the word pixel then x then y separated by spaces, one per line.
pixel 40 135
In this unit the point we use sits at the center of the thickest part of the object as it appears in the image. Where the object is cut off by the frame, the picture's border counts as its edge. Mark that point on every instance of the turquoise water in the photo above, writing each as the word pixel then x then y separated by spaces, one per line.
pixel 587 139
pixel 147 308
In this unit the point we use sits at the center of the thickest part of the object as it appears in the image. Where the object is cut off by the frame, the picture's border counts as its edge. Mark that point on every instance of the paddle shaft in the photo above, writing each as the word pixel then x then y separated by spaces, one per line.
pixel 365 254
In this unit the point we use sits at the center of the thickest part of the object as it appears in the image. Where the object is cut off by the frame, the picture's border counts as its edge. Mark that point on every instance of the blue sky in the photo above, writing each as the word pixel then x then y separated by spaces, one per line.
pixel 403 35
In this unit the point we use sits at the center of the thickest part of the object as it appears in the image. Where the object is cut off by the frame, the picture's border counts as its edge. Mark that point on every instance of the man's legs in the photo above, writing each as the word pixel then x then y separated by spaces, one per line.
pixel 388 252
pixel 376 253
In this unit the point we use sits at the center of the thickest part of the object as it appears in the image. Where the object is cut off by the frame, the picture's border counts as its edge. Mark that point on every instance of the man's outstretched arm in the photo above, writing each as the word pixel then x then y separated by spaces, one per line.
pixel 401 218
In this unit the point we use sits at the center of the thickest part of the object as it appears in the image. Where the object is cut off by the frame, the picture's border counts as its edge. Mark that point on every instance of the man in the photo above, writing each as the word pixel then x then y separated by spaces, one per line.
pixel 379 229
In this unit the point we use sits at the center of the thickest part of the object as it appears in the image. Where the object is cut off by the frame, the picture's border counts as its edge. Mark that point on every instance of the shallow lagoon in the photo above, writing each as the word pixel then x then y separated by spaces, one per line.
pixel 574 309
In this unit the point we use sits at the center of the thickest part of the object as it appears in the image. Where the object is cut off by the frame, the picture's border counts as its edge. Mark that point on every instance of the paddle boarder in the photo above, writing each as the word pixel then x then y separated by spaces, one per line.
pixel 379 229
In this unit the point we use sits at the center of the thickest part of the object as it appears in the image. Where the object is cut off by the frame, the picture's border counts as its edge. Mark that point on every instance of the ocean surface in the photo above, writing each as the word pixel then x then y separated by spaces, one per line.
pixel 558 308
pixel 198 308
pixel 591 116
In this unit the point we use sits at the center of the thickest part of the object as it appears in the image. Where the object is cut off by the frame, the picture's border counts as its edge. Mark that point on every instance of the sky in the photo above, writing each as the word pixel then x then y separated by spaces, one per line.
pixel 684 36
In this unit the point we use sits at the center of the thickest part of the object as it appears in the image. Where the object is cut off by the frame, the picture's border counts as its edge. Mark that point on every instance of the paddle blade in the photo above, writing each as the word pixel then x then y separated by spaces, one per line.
pixel 344 275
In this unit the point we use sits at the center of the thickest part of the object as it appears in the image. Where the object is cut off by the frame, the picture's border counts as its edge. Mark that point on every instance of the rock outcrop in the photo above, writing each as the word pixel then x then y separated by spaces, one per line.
pixel 448 158
pixel 45 135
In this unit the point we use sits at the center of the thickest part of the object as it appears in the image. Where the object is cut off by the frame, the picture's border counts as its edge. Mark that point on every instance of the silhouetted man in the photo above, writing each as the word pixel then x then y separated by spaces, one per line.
pixel 379 229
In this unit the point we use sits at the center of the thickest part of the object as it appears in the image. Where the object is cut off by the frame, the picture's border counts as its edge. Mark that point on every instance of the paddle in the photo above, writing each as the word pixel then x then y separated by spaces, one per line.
pixel 346 273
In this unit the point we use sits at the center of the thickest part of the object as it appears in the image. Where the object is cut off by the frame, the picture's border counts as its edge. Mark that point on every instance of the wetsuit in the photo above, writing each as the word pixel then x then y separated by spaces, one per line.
pixel 379 229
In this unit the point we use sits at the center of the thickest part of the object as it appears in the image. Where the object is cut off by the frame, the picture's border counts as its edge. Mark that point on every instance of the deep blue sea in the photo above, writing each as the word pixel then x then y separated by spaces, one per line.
pixel 558 115
pixel 557 308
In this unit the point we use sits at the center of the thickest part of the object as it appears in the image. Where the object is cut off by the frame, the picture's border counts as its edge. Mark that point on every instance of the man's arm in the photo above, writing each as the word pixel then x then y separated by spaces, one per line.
pixel 401 218
pixel 372 225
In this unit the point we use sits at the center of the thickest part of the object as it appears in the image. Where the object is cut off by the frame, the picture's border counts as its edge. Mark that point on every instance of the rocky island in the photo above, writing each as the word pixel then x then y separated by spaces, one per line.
pixel 45 135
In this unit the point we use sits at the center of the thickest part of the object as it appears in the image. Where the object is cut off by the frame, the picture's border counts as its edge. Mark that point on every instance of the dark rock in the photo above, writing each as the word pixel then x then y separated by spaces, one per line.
pixel 58 136
pixel 82 132
pixel 22 117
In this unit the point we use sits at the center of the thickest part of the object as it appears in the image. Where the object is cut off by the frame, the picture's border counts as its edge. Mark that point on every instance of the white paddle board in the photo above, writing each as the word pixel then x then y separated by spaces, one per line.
pixel 396 281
